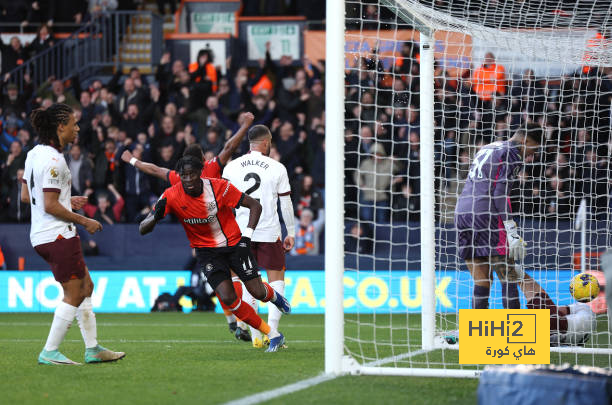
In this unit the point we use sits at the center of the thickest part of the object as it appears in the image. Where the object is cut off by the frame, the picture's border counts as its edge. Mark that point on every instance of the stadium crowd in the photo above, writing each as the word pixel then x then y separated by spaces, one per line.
pixel 157 116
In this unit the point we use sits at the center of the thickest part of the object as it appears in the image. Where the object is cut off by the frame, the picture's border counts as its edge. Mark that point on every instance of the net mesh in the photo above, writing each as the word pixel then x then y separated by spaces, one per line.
pixel 551 68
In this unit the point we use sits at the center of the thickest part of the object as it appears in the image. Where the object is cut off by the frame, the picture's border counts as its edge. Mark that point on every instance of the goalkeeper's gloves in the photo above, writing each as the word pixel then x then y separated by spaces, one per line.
pixel 516 244
pixel 160 209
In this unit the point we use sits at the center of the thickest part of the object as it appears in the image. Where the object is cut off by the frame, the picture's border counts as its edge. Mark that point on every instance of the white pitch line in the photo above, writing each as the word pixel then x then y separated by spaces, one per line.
pixel 311 382
pixel 149 341
pixel 157 325
pixel 279 392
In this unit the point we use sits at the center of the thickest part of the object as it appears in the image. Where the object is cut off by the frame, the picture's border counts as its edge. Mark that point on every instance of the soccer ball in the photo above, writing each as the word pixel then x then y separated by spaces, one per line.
pixel 584 287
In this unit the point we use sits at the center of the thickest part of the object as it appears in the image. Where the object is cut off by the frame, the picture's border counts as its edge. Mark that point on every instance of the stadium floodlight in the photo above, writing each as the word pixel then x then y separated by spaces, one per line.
pixel 407 108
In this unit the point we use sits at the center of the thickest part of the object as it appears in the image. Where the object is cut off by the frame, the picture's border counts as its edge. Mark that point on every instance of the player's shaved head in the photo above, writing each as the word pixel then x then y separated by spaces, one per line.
pixel 194 150
pixel 534 132
pixel 258 133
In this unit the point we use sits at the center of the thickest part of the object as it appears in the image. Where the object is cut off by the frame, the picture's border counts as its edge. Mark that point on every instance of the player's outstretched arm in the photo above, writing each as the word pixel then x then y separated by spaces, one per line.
pixel 145 167
pixel 148 224
pixel 55 208
pixel 232 144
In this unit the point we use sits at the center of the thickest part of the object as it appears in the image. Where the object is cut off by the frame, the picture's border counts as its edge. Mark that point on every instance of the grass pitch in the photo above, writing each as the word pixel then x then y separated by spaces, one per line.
pixel 192 358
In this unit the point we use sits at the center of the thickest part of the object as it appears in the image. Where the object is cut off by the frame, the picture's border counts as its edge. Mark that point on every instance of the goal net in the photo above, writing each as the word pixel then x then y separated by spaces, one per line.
pixel 425 85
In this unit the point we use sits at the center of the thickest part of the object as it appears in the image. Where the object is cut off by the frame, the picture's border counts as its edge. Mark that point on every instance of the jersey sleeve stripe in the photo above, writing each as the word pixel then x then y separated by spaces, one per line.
pixel 284 194
pixel 52 190
pixel 24 181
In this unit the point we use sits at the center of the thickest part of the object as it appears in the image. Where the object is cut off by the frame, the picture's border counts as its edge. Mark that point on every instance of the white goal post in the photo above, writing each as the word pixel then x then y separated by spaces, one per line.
pixel 383 340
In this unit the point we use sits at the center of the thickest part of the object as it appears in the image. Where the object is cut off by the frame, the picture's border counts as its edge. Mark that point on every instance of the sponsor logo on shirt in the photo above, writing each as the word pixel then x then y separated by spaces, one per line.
pixel 226 188
pixel 195 221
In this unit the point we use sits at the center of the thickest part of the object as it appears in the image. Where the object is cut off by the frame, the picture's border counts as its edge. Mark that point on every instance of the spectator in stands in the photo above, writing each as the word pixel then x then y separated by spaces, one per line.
pixel 131 95
pixel 360 239
pixel 17 210
pixel 213 141
pixel 81 170
pixel 67 12
pixel 102 6
pixel 290 148
pixel 10 131
pixel 105 165
pixel 558 204
pixel 43 41
pixel 13 55
pixel 488 81
pixel 406 205
pixel 136 186
pixel 54 89
pixel 304 235
pixel 373 180
pixel 12 101
pixel 306 196
pixel 103 212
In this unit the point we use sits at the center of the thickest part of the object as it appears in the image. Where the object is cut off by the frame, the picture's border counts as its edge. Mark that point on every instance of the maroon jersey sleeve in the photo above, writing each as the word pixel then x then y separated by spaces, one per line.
pixel 212 169
pixel 226 194
pixel 173 177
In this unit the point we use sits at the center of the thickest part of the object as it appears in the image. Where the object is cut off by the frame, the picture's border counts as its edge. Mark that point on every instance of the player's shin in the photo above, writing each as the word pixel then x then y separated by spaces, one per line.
pixel 480 299
pixel 87 323
pixel 62 319
pixel 239 293
pixel 256 335
pixel 248 315
pixel 510 295
pixel 274 314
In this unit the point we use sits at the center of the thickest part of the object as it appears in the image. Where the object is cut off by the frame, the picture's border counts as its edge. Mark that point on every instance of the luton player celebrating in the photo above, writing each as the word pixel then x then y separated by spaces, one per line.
pixel 204 208
pixel 212 168
pixel 266 180
pixel 54 236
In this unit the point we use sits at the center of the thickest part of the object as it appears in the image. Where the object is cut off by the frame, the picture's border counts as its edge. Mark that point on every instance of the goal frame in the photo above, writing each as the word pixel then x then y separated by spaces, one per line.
pixel 336 363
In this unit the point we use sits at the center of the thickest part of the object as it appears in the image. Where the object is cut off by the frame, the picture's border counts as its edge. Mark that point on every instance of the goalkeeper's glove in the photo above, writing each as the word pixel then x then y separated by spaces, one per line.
pixel 516 244
pixel 160 209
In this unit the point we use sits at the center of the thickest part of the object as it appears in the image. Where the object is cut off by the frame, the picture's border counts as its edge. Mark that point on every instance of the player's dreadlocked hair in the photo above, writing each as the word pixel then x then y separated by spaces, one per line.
pixel 194 150
pixel 189 160
pixel 45 122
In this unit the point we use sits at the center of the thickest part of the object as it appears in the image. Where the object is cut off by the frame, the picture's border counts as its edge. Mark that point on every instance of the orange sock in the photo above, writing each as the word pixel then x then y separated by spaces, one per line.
pixel 245 312
pixel 238 288
pixel 269 292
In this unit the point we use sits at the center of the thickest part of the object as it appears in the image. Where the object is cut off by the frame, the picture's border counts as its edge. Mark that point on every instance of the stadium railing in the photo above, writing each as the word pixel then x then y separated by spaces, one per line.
pixel 89 49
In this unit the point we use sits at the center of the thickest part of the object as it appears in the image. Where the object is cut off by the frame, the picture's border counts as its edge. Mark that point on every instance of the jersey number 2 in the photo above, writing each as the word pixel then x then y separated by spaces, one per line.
pixel 254 187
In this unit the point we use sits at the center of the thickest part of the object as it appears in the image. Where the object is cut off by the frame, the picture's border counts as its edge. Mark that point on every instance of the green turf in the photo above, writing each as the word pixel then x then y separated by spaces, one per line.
pixel 178 358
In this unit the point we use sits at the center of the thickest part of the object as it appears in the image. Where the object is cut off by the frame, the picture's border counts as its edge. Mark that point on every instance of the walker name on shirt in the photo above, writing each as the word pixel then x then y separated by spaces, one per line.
pixel 254 162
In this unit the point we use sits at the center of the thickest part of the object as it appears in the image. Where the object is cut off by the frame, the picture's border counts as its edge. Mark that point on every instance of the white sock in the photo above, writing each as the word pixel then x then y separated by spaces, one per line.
pixel 249 299
pixel 87 323
pixel 274 314
pixel 62 319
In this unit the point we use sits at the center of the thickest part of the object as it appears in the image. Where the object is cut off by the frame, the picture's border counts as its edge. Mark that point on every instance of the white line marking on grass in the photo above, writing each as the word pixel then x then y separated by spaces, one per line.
pixel 279 392
pixel 398 357
pixel 311 382
pixel 152 341
pixel 157 325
